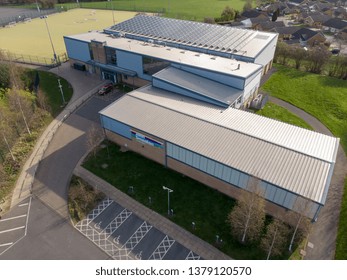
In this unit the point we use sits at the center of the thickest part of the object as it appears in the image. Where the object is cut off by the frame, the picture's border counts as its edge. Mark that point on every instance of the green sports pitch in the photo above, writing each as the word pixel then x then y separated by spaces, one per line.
pixel 32 37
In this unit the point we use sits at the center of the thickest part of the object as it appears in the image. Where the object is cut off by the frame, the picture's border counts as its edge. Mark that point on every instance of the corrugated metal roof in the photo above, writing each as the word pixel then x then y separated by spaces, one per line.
pixel 198 130
pixel 223 39
pixel 200 85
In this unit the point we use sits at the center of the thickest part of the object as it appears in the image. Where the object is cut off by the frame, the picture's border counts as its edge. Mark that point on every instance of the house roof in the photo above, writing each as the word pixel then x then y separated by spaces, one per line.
pixel 319 17
pixel 304 34
pixel 293 158
pixel 287 30
pixel 271 25
pixel 252 14
pixel 259 20
pixel 335 23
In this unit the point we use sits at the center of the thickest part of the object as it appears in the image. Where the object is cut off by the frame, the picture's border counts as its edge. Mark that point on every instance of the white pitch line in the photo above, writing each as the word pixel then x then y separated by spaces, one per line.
pixel 6 244
pixel 12 218
pixel 26 222
pixel 12 229
pixel 24 204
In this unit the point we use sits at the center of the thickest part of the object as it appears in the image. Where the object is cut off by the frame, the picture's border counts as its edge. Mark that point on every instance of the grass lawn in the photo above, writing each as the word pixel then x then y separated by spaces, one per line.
pixel 190 200
pixel 277 112
pixel 49 84
pixel 183 9
pixel 323 97
pixel 32 38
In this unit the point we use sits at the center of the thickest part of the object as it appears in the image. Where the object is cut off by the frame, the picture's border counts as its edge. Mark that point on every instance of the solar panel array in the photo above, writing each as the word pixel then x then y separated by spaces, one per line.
pixel 189 33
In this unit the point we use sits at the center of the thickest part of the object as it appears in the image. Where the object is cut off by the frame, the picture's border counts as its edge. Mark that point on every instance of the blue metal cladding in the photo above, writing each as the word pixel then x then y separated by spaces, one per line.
pixel 115 126
pixel 77 49
pixel 237 178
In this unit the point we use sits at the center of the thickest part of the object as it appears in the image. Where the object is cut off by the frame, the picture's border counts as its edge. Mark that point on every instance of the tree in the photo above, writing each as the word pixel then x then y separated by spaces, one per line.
pixel 247 6
pixel 338 67
pixel 274 16
pixel 94 136
pixel 209 20
pixel 317 58
pixel 228 14
pixel 298 54
pixel 301 209
pixel 42 101
pixel 248 215
pixel 5 131
pixel 22 104
pixel 282 53
pixel 275 238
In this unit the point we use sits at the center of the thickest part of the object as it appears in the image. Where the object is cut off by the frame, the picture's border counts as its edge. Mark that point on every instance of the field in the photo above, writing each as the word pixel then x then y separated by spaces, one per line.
pixel 276 112
pixel 183 9
pixel 32 38
pixel 323 97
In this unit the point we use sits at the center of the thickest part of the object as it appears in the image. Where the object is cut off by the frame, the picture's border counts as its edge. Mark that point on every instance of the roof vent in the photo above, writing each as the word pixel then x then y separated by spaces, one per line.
pixel 213 58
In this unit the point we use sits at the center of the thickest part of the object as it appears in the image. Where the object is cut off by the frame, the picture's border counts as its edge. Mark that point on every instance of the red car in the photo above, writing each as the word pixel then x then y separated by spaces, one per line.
pixel 105 89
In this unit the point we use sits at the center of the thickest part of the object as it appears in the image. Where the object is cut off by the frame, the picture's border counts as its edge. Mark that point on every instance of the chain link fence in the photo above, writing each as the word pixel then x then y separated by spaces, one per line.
pixel 26 15
pixel 33 60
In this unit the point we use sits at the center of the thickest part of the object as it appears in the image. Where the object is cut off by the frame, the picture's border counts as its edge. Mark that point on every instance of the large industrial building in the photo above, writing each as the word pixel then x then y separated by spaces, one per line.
pixel 193 77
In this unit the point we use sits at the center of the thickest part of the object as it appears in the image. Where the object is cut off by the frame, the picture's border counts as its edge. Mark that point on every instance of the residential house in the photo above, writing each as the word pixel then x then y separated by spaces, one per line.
pixel 285 33
pixel 269 25
pixel 334 25
pixel 316 19
pixel 307 37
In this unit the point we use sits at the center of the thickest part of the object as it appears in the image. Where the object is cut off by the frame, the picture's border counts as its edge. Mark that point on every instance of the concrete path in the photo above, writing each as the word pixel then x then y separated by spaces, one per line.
pixel 324 231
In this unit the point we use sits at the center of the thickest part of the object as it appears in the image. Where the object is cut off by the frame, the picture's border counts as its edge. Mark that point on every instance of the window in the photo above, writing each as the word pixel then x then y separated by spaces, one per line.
pixel 111 56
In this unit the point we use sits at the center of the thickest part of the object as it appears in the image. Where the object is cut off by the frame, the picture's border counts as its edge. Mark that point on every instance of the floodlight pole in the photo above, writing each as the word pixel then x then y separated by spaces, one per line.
pixel 37 6
pixel 168 199
pixel 50 38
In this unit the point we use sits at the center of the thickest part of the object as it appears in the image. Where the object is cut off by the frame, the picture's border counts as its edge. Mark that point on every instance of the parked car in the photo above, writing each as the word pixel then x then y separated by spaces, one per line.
pixel 105 89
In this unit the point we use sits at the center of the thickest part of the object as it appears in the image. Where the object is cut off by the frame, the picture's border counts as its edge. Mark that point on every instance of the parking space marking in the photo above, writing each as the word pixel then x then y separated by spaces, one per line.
pixel 12 218
pixel 192 256
pixel 162 248
pixel 137 236
pixel 24 204
pixel 12 229
pixel 116 223
pixel 6 244
pixel 82 225
pixel 101 240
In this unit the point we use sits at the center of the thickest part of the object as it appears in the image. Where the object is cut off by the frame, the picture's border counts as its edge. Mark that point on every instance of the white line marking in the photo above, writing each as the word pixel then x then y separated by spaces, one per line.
pixel 12 218
pixel 7 244
pixel 26 223
pixel 24 204
pixel 12 229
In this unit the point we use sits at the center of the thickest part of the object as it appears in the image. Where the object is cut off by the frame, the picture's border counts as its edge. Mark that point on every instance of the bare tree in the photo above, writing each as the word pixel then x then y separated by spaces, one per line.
pixel 22 104
pixel 247 6
pixel 282 53
pixel 298 54
pixel 94 136
pixel 42 101
pixel 248 215
pixel 275 239
pixel 317 58
pixel 5 131
pixel 301 210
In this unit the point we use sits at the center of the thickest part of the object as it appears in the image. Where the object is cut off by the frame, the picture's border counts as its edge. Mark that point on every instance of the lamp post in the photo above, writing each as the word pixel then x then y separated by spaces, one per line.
pixel 61 91
pixel 168 198
pixel 50 38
